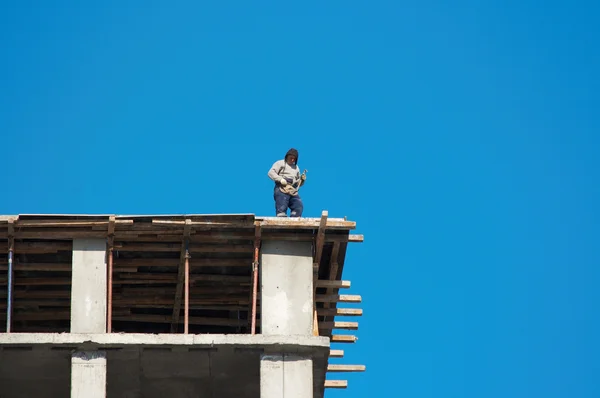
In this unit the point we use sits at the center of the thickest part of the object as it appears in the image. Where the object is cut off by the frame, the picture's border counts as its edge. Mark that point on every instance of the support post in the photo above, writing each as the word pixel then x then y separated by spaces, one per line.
pixel 186 309
pixel 89 286
pixel 89 315
pixel 88 374
pixel 9 280
pixel 286 288
pixel 181 278
pixel 257 233
pixel 318 250
pixel 111 238
pixel 286 376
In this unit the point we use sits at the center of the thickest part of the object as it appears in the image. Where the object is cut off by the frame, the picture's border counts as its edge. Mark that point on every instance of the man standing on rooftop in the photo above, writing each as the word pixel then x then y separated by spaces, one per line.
pixel 286 175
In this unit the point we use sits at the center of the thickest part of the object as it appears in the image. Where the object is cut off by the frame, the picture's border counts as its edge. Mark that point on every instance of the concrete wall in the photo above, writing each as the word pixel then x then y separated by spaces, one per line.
pixel 88 315
pixel 88 291
pixel 88 374
pixel 286 376
pixel 286 276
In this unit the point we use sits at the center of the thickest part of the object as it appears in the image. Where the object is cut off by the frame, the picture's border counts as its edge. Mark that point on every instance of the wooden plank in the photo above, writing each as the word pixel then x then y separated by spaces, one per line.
pixel 173 247
pixel 339 298
pixel 320 239
pixel 336 383
pixel 25 303
pixel 42 247
pixel 24 281
pixel 210 307
pixel 60 234
pixel 152 318
pixel 173 262
pixel 356 238
pixel 52 267
pixel 207 224
pixel 346 368
pixel 67 223
pixel 163 300
pixel 339 325
pixel 336 353
pixel 333 284
pixel 40 267
pixel 216 292
pixel 172 278
pixel 343 338
pixel 340 311
pixel 42 294
pixel 301 223
pixel 50 315
pixel 333 271
pixel 175 319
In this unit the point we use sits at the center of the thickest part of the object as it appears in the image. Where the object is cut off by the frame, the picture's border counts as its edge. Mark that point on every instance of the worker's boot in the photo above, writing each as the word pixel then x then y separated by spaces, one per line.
pixel 281 215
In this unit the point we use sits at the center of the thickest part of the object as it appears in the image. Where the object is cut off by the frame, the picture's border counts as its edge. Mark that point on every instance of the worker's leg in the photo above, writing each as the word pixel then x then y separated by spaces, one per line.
pixel 296 206
pixel 282 201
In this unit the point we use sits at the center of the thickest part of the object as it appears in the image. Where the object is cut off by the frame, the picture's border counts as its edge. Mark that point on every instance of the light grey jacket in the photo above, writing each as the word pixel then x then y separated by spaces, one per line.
pixel 281 169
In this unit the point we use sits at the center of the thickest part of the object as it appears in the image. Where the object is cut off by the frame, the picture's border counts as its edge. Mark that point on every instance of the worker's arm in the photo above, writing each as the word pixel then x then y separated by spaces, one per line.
pixel 303 178
pixel 275 169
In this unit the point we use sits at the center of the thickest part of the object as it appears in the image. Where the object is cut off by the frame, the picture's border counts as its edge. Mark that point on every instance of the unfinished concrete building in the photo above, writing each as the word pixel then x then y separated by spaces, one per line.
pixel 173 306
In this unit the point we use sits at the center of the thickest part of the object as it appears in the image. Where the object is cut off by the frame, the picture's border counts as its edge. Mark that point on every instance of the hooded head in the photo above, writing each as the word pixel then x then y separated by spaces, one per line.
pixel 292 152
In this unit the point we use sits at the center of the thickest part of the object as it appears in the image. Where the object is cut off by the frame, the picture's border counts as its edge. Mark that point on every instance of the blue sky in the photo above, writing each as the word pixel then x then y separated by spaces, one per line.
pixel 462 137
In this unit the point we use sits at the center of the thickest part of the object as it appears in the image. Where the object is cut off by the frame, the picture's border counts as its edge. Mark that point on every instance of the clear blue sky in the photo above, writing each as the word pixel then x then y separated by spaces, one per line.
pixel 462 137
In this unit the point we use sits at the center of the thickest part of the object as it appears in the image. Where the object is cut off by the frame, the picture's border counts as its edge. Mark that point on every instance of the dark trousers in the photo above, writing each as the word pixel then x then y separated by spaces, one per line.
pixel 284 200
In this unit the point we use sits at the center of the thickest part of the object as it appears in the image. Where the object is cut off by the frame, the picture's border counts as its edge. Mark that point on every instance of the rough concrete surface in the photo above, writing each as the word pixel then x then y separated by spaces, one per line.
pixel 286 276
pixel 88 291
pixel 150 366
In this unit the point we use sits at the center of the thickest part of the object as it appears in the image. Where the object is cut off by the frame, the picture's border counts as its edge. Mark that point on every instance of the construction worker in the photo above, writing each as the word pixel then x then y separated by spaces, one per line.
pixel 286 175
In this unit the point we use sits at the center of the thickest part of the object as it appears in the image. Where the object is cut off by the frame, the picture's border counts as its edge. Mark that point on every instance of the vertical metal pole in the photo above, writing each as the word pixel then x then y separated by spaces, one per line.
pixel 186 314
pixel 110 288
pixel 255 278
pixel 9 300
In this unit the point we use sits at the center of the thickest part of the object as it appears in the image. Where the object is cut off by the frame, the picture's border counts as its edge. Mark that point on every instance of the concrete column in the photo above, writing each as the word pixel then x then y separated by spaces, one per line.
pixel 88 290
pixel 286 276
pixel 286 376
pixel 88 374
pixel 88 315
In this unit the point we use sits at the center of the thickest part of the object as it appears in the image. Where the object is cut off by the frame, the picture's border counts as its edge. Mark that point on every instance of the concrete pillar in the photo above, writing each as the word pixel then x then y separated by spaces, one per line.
pixel 286 376
pixel 286 276
pixel 88 315
pixel 88 374
pixel 88 289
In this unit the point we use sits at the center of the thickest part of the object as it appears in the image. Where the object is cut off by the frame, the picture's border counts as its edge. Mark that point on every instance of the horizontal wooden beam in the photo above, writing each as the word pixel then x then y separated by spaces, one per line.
pixel 66 223
pixel 339 311
pixel 336 383
pixel 174 262
pixel 171 277
pixel 42 247
pixel 312 223
pixel 175 247
pixel 336 353
pixel 338 325
pixel 356 238
pixel 343 338
pixel 339 298
pixel 333 284
pixel 211 307
pixel 346 368
pixel 151 318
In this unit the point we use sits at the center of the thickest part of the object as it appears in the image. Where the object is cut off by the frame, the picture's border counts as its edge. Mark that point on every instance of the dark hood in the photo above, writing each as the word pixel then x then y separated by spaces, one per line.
pixel 292 151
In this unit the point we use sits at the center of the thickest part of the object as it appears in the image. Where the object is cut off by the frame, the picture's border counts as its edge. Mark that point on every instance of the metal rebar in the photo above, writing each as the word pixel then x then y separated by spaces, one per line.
pixel 110 290
pixel 254 283
pixel 9 299
pixel 186 313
